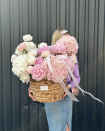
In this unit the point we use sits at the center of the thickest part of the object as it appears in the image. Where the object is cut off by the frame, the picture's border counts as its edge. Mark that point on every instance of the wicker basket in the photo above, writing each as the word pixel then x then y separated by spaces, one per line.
pixel 54 92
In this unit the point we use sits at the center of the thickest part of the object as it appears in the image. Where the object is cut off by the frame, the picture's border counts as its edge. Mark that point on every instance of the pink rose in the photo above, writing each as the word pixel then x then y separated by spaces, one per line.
pixel 38 72
pixel 39 60
pixel 21 47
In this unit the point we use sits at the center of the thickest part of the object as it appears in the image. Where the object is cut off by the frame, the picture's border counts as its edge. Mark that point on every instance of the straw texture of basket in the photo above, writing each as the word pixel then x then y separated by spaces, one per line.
pixel 54 91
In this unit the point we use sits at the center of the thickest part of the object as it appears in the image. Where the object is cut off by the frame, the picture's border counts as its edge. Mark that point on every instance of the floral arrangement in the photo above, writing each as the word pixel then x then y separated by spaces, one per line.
pixel 30 60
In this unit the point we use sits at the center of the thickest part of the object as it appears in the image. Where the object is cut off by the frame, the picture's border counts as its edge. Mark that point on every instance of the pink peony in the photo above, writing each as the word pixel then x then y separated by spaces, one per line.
pixel 21 47
pixel 52 49
pixel 29 69
pixel 38 72
pixel 41 49
pixel 70 43
pixel 39 60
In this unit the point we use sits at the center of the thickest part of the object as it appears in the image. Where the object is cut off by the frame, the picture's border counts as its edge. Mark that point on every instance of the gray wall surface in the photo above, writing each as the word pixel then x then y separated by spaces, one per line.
pixel 84 19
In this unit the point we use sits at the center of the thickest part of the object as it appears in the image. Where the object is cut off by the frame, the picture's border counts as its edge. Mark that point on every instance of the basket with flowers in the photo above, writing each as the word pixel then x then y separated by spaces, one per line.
pixel 44 67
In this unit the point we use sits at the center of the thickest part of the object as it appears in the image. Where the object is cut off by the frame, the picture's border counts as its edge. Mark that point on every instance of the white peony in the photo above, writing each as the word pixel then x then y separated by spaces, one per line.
pixel 29 69
pixel 30 45
pixel 19 65
pixel 31 60
pixel 13 57
pixel 32 52
pixel 18 52
pixel 27 37
pixel 25 77
pixel 42 44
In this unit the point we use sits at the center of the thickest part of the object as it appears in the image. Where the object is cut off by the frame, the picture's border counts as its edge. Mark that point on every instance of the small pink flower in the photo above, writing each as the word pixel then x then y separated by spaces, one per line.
pixel 39 60
pixel 29 69
pixel 38 72
pixel 43 48
pixel 21 47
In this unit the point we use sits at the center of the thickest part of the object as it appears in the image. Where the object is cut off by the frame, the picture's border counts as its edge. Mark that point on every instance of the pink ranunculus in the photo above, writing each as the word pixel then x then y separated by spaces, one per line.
pixel 44 48
pixel 21 47
pixel 38 72
pixel 29 69
pixel 39 60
